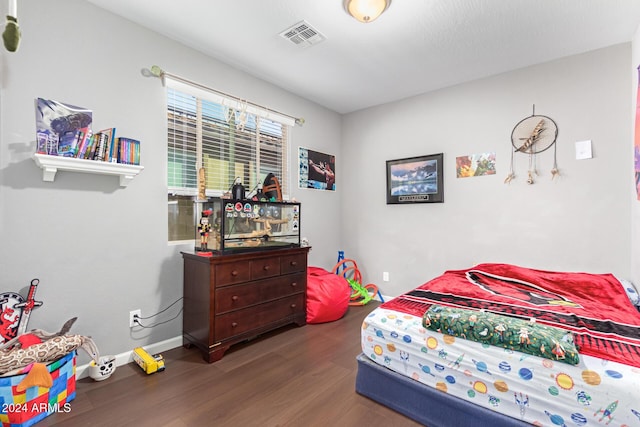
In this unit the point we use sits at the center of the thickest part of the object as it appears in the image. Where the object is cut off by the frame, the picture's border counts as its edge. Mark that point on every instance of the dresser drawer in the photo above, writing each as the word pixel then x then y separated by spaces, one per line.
pixel 230 298
pixel 240 296
pixel 242 321
pixel 293 263
pixel 232 272
pixel 265 267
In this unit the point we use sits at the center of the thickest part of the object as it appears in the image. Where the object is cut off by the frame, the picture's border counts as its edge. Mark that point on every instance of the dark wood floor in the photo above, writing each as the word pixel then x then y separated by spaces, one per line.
pixel 297 376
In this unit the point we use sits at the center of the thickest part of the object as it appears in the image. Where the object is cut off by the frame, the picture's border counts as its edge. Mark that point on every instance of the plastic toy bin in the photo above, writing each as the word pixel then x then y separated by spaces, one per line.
pixel 35 403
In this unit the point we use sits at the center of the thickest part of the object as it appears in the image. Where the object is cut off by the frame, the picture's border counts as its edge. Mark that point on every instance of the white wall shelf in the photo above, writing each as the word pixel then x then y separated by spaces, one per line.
pixel 51 164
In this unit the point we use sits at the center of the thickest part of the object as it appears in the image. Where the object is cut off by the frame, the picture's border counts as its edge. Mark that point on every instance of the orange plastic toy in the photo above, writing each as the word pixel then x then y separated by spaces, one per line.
pixel 360 294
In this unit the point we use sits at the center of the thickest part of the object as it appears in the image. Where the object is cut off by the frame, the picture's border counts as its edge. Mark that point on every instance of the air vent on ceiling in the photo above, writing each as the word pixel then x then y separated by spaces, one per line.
pixel 302 34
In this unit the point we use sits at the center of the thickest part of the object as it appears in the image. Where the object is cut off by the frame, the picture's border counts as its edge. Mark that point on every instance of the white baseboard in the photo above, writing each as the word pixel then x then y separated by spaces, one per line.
pixel 126 357
pixel 82 371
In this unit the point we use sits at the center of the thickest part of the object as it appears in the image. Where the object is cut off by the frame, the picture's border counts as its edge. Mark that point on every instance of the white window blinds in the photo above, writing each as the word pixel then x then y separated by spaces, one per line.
pixel 229 139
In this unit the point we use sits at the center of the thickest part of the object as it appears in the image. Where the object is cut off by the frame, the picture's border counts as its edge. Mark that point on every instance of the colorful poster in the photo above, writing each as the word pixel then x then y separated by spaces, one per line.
pixel 476 165
pixel 316 170
pixel 60 127
pixel 636 145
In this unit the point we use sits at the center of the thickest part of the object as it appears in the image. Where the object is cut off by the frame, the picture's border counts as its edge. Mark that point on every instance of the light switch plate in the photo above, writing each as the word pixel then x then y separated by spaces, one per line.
pixel 583 150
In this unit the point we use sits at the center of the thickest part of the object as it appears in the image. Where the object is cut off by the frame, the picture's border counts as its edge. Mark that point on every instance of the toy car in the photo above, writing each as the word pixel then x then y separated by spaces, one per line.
pixel 147 362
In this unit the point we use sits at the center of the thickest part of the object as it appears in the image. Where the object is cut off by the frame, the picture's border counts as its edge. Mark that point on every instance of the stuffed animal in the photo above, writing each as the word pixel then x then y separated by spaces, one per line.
pixel 24 350
pixel 38 375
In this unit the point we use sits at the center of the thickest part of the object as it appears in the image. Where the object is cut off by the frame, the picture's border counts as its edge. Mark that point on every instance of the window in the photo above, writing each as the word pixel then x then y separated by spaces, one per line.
pixel 229 143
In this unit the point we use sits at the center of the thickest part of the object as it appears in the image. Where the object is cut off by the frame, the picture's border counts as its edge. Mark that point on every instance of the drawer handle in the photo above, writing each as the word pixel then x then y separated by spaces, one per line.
pixel 293 263
pixel 266 267
pixel 234 298
pixel 293 306
pixel 234 324
pixel 294 284
pixel 234 273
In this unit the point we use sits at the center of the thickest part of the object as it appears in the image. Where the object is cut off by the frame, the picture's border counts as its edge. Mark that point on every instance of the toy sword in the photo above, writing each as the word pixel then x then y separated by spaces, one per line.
pixel 29 304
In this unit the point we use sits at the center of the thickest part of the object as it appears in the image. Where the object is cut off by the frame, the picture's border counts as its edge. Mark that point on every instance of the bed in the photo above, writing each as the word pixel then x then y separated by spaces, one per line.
pixel 504 345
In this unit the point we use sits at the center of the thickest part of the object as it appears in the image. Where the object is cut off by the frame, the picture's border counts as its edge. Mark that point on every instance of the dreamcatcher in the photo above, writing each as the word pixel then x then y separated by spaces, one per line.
pixel 533 135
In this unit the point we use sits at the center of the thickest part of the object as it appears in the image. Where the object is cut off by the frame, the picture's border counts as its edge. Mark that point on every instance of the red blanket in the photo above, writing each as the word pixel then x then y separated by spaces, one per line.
pixel 593 306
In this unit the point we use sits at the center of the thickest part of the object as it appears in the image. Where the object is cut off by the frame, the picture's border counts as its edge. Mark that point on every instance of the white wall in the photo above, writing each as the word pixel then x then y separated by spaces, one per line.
pixel 635 204
pixel 100 250
pixel 579 222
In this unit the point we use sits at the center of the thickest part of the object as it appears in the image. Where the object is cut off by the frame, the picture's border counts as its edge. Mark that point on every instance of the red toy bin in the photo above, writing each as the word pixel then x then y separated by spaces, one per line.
pixel 25 408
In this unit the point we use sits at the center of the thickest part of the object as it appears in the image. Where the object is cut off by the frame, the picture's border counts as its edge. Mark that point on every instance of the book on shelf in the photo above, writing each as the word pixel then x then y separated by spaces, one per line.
pixel 102 142
pixel 105 152
pixel 115 149
pixel 91 148
pixel 83 145
pixel 67 144
pixel 128 151
pixel 71 146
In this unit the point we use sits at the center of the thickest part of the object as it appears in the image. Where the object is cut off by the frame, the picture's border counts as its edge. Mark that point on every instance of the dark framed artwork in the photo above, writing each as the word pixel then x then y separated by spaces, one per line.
pixel 415 180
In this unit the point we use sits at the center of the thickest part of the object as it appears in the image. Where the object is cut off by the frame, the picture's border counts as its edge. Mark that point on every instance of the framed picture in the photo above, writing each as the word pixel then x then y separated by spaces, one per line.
pixel 415 180
pixel 316 170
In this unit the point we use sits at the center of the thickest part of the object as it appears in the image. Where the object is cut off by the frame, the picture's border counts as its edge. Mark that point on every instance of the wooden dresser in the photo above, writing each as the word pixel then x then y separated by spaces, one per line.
pixel 231 298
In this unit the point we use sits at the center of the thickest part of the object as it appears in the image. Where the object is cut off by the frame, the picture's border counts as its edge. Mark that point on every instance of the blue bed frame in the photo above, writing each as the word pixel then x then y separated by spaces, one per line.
pixel 421 403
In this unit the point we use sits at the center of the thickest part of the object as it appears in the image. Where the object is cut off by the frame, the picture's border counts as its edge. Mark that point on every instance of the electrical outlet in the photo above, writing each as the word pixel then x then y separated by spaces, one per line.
pixel 134 317
pixel 385 276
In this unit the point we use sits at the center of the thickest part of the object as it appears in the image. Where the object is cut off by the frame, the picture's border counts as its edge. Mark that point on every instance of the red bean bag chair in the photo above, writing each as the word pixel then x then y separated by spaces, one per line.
pixel 327 295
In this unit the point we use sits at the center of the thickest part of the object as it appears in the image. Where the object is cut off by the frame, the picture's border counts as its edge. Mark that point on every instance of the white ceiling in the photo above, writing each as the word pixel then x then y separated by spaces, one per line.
pixel 416 46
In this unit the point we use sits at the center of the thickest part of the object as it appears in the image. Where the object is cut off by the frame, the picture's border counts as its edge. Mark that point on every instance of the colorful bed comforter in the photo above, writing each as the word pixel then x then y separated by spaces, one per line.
pixel 541 391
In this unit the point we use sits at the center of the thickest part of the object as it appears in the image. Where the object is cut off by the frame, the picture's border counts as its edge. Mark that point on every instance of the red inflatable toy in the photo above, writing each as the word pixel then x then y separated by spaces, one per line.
pixel 327 295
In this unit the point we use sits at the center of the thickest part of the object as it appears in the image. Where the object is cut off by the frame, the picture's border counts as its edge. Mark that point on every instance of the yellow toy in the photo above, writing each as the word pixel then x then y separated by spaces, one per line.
pixel 147 362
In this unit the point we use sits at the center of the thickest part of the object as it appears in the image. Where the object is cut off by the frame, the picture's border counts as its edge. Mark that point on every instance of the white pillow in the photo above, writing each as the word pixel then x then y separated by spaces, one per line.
pixel 632 291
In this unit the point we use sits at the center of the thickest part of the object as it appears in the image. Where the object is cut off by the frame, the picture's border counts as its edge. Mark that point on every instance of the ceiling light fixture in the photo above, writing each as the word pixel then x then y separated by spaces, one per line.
pixel 366 10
